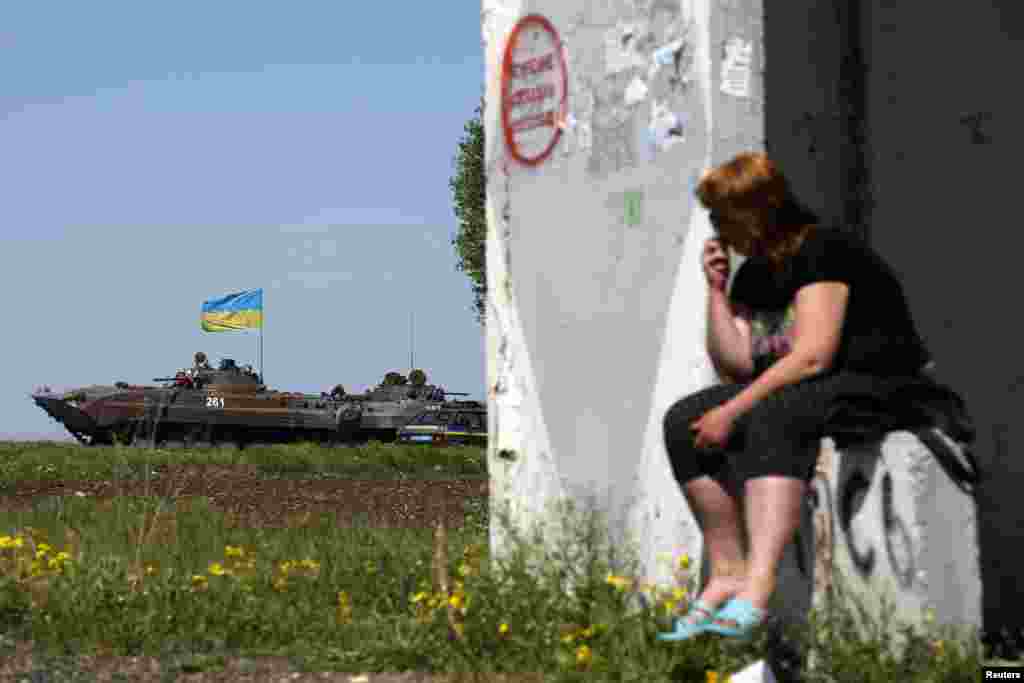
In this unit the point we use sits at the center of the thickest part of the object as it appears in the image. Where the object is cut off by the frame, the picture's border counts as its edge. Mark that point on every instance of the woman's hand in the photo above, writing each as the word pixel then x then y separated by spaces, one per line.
pixel 714 427
pixel 715 261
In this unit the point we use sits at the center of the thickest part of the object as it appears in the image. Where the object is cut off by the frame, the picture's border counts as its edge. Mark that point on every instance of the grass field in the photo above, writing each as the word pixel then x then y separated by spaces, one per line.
pixel 106 557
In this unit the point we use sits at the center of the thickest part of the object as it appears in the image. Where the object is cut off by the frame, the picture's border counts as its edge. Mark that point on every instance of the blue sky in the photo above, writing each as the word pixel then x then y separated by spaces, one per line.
pixel 157 155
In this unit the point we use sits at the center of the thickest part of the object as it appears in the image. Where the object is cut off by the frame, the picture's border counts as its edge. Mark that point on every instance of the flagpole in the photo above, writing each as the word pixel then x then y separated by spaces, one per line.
pixel 262 378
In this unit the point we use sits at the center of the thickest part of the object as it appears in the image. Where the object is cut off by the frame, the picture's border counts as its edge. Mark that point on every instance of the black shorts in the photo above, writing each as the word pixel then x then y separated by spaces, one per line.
pixel 780 436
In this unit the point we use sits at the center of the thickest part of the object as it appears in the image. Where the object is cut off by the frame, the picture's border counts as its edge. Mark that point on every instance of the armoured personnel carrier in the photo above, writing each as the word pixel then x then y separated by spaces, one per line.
pixel 202 406
pixel 231 405
pixel 390 405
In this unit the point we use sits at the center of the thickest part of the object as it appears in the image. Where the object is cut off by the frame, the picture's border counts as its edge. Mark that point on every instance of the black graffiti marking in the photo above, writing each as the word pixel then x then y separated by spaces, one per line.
pixel 801 545
pixel 891 523
pixel 975 121
pixel 851 498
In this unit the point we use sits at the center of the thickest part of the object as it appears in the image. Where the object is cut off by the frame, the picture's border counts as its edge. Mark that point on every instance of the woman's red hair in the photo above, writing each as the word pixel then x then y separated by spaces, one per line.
pixel 752 194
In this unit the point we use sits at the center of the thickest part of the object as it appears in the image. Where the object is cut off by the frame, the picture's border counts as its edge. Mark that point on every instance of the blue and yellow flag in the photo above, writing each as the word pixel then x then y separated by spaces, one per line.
pixel 238 311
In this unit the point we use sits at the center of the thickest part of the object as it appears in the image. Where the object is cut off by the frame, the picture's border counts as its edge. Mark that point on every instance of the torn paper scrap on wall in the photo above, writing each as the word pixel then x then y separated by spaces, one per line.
pixel 636 92
pixel 577 135
pixel 666 55
pixel 584 135
pixel 666 128
pixel 736 67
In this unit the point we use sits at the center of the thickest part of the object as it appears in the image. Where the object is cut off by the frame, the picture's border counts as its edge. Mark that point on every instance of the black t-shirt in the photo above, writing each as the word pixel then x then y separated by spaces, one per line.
pixel 878 336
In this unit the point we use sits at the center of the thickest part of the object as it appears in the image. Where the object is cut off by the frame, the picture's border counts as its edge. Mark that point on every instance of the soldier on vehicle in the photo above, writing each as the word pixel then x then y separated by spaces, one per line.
pixel 200 362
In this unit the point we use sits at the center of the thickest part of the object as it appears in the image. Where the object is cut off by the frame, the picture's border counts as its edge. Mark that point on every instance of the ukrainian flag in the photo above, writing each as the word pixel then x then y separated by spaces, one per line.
pixel 238 311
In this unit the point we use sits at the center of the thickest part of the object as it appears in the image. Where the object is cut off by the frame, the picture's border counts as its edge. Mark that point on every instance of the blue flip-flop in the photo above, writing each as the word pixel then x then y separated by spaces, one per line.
pixel 694 623
pixel 740 612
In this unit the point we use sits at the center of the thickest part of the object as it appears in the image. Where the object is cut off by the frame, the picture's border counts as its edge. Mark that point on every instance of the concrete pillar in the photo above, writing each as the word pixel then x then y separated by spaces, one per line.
pixel 596 309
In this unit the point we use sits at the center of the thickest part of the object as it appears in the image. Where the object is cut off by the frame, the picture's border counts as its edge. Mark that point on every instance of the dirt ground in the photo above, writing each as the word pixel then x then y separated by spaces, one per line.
pixel 254 501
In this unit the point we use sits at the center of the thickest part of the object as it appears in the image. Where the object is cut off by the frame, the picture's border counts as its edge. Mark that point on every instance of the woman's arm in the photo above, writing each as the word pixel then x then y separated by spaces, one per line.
pixel 728 339
pixel 819 309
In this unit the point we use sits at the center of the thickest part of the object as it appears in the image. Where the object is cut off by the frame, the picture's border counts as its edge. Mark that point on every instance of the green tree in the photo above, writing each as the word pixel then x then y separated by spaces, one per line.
pixel 469 195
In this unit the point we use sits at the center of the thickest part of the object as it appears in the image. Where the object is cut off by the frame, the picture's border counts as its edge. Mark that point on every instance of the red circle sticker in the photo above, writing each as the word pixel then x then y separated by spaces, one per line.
pixel 534 90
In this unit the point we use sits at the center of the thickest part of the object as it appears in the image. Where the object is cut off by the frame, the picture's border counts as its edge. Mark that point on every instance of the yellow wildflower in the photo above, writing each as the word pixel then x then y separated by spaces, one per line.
pixel 280 583
pixel 620 582
pixel 419 597
pixel 234 551
pixel 503 628
pixel 344 610
pixel 310 564
pixel 199 582
pixel 583 654
pixel 711 677
pixel 678 593
pixel 63 556
pixel 217 570
pixel 455 600
pixel 684 561
pixel 44 547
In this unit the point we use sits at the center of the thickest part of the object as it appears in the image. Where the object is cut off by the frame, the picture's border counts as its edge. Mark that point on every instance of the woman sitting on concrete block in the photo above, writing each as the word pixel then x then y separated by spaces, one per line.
pixel 815 322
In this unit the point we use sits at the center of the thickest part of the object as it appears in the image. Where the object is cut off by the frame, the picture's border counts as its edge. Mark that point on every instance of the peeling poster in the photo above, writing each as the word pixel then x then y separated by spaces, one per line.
pixel 736 67
pixel 666 127
pixel 667 55
pixel 636 92
pixel 584 135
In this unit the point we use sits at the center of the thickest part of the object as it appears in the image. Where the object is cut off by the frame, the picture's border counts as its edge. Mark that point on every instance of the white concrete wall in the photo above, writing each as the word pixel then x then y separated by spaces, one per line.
pixel 596 326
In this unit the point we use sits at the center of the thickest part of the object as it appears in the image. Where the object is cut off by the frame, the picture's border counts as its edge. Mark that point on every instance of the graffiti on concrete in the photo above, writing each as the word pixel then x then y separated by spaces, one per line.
pixel 842 517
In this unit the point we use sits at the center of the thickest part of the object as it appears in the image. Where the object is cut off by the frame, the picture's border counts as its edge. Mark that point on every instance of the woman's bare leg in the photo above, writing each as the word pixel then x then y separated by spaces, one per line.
pixel 773 515
pixel 718 515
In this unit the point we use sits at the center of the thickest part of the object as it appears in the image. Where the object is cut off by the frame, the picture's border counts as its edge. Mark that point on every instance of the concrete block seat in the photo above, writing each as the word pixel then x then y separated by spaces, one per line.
pixel 896 519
